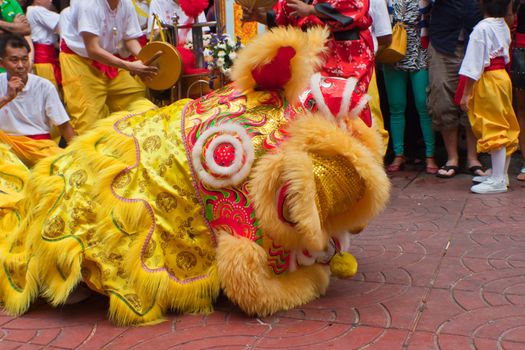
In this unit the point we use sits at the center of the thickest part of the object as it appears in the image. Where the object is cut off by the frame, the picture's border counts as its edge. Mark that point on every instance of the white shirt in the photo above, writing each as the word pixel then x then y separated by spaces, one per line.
pixel 65 21
pixel 43 24
pixel 380 20
pixel 165 10
pixel 33 110
pixel 97 18
pixel 489 39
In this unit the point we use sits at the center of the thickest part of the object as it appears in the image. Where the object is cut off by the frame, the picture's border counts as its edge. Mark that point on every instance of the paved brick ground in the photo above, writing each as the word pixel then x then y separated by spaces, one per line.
pixel 440 269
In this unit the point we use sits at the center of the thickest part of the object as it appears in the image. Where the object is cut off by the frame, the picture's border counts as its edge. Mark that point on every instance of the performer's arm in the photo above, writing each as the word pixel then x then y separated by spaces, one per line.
pixel 467 94
pixel 67 132
pixel 20 25
pixel 301 9
pixel 133 46
pixel 97 53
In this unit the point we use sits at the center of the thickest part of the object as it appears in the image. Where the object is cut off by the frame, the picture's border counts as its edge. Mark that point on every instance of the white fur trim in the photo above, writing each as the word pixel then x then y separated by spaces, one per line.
pixel 363 102
pixel 315 85
pixel 305 260
pixel 347 97
pixel 236 132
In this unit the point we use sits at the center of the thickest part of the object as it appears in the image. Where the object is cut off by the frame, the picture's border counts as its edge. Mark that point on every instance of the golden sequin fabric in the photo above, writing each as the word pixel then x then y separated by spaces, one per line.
pixel 338 184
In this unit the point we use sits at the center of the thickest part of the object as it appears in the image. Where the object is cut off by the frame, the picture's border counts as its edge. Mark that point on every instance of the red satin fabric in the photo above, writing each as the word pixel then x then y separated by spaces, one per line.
pixel 108 71
pixel 40 137
pixel 495 64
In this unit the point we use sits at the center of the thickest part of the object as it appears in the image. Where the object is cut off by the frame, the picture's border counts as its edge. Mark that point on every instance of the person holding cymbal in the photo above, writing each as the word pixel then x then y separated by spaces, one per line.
pixel 96 81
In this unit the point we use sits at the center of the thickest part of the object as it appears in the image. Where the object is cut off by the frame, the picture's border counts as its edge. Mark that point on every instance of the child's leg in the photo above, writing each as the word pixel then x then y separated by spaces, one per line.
pixel 497 182
pixel 498 158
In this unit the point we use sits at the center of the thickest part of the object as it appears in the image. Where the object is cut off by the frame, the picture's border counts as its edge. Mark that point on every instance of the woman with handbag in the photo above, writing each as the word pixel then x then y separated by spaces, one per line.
pixel 413 66
pixel 517 74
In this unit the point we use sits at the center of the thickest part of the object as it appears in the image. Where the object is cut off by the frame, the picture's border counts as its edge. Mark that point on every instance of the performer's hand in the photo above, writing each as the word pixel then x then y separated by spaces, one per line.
pixel 20 19
pixel 257 14
pixel 14 86
pixel 140 69
pixel 463 104
pixel 300 9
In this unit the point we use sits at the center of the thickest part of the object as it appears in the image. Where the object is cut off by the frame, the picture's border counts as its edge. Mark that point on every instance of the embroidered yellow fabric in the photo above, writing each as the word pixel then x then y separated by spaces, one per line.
pixel 123 217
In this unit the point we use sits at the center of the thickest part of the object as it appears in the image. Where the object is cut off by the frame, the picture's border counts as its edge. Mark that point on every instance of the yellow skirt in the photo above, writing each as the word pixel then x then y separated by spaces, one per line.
pixel 375 107
pixel 45 70
pixel 90 96
pixel 491 113
pixel 28 150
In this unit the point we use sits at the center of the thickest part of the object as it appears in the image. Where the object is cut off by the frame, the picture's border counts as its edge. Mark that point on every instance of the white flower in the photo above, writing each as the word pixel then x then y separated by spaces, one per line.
pixel 220 62
pixel 221 53
pixel 210 67
pixel 232 55
pixel 207 52
pixel 221 46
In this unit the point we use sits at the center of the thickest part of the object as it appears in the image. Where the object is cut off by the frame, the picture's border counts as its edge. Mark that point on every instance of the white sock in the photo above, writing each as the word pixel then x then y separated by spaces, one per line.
pixel 498 158
pixel 507 163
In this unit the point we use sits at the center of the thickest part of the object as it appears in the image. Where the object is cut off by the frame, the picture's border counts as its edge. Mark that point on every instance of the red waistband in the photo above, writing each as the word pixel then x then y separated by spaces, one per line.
pixel 40 137
pixel 519 40
pixel 64 48
pixel 45 53
pixel 109 71
pixel 496 63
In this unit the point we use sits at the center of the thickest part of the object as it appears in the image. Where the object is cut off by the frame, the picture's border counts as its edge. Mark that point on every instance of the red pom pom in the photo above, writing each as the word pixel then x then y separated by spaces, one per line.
pixel 193 8
pixel 275 75
pixel 188 61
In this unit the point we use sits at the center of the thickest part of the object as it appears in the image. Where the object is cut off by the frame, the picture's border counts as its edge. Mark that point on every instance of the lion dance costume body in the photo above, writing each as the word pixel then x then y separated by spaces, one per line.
pixel 241 190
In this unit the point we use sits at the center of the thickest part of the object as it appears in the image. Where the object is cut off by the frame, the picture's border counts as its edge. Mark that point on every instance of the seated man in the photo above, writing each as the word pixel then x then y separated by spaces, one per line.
pixel 28 105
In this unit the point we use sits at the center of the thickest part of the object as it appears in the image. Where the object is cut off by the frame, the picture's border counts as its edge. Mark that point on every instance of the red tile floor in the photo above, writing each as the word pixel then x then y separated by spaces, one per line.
pixel 440 269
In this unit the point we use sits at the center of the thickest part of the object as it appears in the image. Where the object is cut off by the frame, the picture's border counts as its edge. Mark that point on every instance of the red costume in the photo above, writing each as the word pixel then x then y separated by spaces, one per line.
pixel 351 53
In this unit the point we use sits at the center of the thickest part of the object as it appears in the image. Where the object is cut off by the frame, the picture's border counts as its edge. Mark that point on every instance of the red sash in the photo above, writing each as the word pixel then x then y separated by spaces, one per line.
pixel 108 71
pixel 40 137
pixel 495 64
pixel 46 53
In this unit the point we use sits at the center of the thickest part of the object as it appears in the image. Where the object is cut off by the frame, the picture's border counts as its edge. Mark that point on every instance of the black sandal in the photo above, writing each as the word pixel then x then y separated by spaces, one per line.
pixel 473 170
pixel 447 168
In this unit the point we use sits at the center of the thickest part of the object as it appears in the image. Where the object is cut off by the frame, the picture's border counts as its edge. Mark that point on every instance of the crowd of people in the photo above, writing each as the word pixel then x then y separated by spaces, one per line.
pixel 439 55
pixel 457 56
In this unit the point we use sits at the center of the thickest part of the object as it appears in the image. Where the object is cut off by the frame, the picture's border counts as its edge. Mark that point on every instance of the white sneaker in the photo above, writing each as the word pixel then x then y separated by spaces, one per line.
pixel 481 179
pixel 490 185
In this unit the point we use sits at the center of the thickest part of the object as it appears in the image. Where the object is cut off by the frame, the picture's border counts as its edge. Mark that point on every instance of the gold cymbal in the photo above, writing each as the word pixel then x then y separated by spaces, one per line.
pixel 169 64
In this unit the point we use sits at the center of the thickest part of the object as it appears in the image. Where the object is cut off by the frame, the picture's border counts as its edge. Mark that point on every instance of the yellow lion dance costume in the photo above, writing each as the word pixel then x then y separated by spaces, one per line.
pixel 240 190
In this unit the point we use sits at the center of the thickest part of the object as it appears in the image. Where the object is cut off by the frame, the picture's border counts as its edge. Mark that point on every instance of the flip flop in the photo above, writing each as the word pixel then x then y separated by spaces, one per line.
pixel 447 168
pixel 521 175
pixel 475 168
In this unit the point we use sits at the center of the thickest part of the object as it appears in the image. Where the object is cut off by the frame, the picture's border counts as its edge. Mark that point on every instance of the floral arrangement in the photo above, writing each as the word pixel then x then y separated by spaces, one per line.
pixel 220 52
